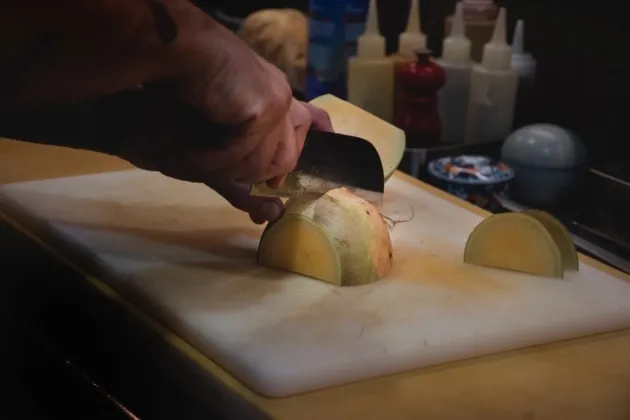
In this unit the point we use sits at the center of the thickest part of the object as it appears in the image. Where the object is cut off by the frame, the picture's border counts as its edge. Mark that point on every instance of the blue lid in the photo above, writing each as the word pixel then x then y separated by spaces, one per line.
pixel 472 170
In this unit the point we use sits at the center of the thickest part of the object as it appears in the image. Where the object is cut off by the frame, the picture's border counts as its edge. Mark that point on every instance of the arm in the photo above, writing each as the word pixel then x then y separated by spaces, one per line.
pixel 68 70
pixel 56 57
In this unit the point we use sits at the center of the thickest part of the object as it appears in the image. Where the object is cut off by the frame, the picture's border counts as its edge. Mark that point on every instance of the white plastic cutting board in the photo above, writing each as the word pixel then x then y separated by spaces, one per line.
pixel 180 252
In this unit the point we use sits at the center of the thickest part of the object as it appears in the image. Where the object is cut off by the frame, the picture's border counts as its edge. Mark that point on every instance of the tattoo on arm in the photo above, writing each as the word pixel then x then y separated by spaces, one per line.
pixel 164 23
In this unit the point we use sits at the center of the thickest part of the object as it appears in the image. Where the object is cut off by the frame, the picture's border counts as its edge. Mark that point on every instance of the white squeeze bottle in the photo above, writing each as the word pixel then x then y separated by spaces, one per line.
pixel 371 72
pixel 493 88
pixel 413 38
pixel 522 61
pixel 525 65
pixel 453 98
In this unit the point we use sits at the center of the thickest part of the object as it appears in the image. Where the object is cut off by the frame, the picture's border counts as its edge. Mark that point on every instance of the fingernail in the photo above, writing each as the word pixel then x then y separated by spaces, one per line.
pixel 272 211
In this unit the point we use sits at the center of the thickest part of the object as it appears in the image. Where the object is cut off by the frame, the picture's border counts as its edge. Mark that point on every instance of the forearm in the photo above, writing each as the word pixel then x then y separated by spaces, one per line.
pixel 55 56
pixel 73 50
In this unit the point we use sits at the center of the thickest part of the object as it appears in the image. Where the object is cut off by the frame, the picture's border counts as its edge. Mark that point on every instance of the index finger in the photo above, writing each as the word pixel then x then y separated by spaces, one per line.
pixel 300 119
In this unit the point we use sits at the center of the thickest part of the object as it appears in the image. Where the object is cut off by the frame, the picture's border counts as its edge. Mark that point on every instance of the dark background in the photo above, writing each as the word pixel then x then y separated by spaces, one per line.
pixel 583 72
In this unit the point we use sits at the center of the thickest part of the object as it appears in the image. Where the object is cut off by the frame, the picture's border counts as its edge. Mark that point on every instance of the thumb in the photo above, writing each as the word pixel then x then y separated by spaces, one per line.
pixel 260 209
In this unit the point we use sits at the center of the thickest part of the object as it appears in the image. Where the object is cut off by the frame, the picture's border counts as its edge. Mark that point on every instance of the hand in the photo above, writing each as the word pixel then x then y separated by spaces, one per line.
pixel 77 58
pixel 264 128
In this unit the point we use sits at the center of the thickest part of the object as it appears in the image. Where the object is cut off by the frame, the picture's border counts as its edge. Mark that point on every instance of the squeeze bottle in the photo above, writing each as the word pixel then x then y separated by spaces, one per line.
pixel 413 39
pixel 371 72
pixel 493 87
pixel 453 97
pixel 479 17
pixel 409 43
pixel 525 65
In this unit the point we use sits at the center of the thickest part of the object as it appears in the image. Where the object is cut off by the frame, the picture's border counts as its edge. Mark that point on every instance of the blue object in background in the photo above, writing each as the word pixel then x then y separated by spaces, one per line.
pixel 334 26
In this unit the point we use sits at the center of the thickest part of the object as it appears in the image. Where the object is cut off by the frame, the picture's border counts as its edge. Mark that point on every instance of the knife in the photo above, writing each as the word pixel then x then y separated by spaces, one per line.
pixel 332 160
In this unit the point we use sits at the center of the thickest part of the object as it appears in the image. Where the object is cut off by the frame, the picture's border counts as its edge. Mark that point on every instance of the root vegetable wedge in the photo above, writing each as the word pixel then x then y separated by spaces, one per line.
pixel 350 119
pixel 296 243
pixel 514 241
pixel 337 238
pixel 561 236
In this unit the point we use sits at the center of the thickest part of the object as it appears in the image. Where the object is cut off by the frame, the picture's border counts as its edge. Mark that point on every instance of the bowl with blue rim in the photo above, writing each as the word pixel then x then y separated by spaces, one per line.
pixel 473 178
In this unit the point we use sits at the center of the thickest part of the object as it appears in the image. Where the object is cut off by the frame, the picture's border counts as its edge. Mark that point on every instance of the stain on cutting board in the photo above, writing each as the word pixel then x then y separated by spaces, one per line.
pixel 441 264
pixel 324 319
pixel 437 263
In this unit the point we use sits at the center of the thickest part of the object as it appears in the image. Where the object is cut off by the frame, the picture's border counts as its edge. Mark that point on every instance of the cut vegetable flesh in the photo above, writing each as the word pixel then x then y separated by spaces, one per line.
pixel 560 235
pixel 299 243
pixel 349 119
pixel 514 241
pixel 338 238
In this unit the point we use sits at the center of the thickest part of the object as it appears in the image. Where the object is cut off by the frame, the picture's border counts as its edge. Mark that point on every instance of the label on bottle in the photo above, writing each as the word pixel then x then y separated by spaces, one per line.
pixel 334 26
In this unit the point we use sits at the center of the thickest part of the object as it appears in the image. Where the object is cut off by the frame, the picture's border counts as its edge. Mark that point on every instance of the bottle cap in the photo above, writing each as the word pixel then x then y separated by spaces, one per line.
pixel 456 47
pixel 413 38
pixel 497 54
pixel 371 44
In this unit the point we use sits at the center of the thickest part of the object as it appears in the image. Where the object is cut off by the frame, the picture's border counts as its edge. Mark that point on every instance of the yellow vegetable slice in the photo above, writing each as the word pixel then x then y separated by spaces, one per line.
pixel 514 241
pixel 337 238
pixel 298 244
pixel 349 119
pixel 561 235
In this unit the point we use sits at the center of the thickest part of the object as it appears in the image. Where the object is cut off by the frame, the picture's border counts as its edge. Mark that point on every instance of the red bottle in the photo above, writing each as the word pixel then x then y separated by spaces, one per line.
pixel 415 107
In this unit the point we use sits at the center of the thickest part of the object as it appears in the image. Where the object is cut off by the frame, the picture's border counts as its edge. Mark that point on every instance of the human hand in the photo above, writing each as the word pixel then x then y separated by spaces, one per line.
pixel 262 209
pixel 74 91
pixel 260 126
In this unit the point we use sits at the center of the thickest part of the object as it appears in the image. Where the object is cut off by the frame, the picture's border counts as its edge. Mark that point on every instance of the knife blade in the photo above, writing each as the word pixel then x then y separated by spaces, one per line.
pixel 332 160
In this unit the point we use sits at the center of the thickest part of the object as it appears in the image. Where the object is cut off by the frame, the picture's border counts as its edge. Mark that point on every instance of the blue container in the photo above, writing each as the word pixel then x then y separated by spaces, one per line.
pixel 334 26
pixel 472 178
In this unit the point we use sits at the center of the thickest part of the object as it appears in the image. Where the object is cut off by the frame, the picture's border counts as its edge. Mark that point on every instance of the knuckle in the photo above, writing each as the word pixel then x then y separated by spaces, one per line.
pixel 271 106
pixel 282 93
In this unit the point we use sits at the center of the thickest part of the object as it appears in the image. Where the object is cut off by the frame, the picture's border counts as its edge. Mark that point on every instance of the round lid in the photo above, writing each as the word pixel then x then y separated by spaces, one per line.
pixel 470 169
pixel 544 146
